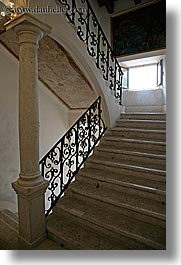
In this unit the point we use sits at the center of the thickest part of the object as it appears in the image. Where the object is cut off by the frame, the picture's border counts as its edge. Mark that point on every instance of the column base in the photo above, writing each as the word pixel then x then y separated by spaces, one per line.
pixel 31 213
pixel 24 244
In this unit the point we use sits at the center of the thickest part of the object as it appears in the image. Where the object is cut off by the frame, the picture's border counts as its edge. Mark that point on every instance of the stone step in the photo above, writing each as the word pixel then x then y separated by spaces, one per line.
pixel 143 116
pixel 9 218
pixel 128 173
pixel 8 237
pixel 118 199
pixel 61 230
pixel 12 206
pixel 96 217
pixel 8 230
pixel 142 124
pixel 145 210
pixel 48 244
pixel 74 233
pixel 100 179
pixel 150 135
pixel 134 144
pixel 131 157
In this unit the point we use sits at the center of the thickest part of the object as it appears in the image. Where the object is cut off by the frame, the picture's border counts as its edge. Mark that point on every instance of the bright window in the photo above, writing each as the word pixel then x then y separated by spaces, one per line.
pixel 143 77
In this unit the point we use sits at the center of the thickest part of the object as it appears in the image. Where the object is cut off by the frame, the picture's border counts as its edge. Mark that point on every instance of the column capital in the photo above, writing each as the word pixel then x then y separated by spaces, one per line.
pixel 25 22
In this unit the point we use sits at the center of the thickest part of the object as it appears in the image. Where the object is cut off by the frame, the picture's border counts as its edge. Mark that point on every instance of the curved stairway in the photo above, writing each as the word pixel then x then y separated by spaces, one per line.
pixel 118 198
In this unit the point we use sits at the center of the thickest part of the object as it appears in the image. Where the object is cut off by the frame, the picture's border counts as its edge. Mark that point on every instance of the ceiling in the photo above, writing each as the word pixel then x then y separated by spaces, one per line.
pixel 109 4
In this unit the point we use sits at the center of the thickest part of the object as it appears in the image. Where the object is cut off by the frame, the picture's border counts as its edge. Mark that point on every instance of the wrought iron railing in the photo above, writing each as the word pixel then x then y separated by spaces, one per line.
pixel 81 14
pixel 60 165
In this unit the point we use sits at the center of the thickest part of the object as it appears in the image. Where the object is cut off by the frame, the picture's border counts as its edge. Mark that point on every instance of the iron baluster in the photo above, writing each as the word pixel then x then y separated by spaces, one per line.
pixel 60 165
pixel 119 82
pixel 115 79
pixel 89 130
pixel 121 90
pixel 98 49
pixel 99 115
pixel 77 145
pixel 107 65
pixel 73 11
pixel 87 25
pixel 42 168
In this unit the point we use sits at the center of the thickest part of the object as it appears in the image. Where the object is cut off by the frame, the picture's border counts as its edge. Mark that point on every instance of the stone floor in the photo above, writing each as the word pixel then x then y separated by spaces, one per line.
pixel 11 241
pixel 8 205
pixel 9 237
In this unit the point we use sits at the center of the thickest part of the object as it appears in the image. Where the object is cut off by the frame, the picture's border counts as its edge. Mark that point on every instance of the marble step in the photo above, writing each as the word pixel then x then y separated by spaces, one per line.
pixel 12 206
pixel 145 210
pixel 74 233
pixel 153 178
pixel 111 221
pixel 9 218
pixel 143 116
pixel 134 144
pixel 8 230
pixel 99 179
pixel 142 134
pixel 131 157
pixel 142 124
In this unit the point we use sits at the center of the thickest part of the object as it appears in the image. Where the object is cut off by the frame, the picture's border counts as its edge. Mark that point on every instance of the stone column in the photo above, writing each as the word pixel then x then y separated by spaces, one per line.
pixel 30 187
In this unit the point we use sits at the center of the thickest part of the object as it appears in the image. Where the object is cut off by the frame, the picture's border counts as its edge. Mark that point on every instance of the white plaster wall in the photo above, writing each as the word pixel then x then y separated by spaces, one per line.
pixel 75 115
pixel 103 17
pixel 143 101
pixel 54 121
pixel 9 155
pixel 164 83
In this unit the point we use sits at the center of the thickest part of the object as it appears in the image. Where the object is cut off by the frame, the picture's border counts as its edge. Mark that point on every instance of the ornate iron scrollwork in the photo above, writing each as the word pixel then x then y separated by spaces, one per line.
pixel 63 161
pixel 98 47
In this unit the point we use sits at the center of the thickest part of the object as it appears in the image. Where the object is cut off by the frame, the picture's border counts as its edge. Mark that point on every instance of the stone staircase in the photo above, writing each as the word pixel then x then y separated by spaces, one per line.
pixel 9 234
pixel 118 198
pixel 8 230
